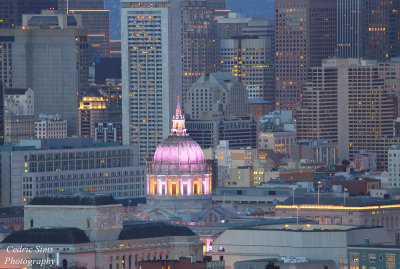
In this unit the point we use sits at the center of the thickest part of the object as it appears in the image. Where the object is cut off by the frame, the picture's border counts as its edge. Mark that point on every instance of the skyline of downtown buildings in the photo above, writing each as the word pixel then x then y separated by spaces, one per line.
pixel 163 55
pixel 180 54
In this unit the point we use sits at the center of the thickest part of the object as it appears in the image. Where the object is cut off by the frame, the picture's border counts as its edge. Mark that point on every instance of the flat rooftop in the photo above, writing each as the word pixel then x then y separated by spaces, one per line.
pixel 301 227
pixel 359 201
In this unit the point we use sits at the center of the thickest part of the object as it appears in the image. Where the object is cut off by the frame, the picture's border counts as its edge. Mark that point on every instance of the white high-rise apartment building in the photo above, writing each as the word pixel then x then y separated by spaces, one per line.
pixel 151 70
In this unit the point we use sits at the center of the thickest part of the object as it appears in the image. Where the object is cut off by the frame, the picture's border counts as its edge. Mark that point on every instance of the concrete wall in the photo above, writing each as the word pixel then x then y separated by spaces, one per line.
pixel 316 243
pixel 99 223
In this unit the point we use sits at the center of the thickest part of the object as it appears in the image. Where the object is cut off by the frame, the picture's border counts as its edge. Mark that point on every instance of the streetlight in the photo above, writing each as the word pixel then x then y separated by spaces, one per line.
pixel 344 196
pixel 319 183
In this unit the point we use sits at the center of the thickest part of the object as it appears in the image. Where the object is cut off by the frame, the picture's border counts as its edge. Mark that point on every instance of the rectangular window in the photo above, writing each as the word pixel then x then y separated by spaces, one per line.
pixel 372 257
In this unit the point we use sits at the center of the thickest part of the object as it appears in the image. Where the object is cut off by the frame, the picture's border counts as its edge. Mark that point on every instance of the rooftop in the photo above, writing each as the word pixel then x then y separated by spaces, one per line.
pixel 15 91
pixel 80 199
pixel 93 92
pixel 303 227
pixel 376 246
pixel 48 236
pixel 58 144
pixel 258 101
pixel 359 201
pixel 12 212
pixel 281 261
pixel 224 79
pixel 140 229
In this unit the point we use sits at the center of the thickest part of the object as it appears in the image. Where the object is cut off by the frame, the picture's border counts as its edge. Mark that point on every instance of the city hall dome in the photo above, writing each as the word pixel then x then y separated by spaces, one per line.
pixel 179 167
pixel 179 150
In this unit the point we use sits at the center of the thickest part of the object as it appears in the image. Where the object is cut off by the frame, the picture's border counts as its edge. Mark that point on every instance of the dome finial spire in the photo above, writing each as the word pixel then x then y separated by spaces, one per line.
pixel 178 121
pixel 178 107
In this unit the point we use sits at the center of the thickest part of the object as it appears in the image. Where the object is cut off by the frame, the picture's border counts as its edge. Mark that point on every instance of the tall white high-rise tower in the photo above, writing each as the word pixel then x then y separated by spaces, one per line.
pixel 151 70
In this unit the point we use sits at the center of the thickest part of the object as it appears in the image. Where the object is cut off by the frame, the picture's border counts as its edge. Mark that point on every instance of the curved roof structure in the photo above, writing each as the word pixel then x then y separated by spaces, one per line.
pixel 48 236
pixel 153 229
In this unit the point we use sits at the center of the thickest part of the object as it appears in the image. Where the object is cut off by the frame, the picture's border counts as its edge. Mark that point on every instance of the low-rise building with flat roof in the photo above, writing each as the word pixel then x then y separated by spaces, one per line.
pixel 312 241
pixel 49 166
pixel 361 210
pixel 285 263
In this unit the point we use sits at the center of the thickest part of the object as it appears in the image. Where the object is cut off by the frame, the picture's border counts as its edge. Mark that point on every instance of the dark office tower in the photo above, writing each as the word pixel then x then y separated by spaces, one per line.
pixel 11 10
pixel 382 29
pixel 350 28
pixel 1 114
pixel 52 62
pixel 65 5
pixel 251 61
pixel 323 31
pixel 96 20
pixel 305 33
pixel 200 43
pixel 230 25
pixel 250 58
pixel 217 4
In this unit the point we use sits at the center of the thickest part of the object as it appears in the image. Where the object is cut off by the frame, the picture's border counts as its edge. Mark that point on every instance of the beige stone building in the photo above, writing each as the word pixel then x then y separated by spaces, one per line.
pixel 216 94
pixel 88 231
pixel 19 119
pixel 50 126
pixel 312 241
pixel 345 101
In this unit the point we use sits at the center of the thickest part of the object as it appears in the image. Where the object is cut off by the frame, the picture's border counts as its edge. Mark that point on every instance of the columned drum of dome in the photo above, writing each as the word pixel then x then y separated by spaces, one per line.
pixel 179 167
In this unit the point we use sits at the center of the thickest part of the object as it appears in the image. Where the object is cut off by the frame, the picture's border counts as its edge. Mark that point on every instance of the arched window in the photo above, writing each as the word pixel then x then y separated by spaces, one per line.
pixel 88 223
pixel 123 262
pixel 31 223
pixel 130 262
pixel 161 255
pixel 64 264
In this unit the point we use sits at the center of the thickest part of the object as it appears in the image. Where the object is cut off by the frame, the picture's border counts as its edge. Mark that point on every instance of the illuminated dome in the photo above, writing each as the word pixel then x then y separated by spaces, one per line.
pixel 179 167
pixel 178 150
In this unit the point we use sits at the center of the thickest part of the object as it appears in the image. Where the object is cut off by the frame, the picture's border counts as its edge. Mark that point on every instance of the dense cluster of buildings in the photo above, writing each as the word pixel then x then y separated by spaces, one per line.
pixel 202 138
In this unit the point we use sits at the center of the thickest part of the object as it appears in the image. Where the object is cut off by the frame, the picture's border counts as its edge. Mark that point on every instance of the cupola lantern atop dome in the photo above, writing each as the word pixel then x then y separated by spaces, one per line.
pixel 178 122
pixel 179 167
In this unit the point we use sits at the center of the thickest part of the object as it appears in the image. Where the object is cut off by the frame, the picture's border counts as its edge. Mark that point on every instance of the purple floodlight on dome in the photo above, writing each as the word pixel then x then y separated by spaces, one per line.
pixel 180 161
pixel 178 148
